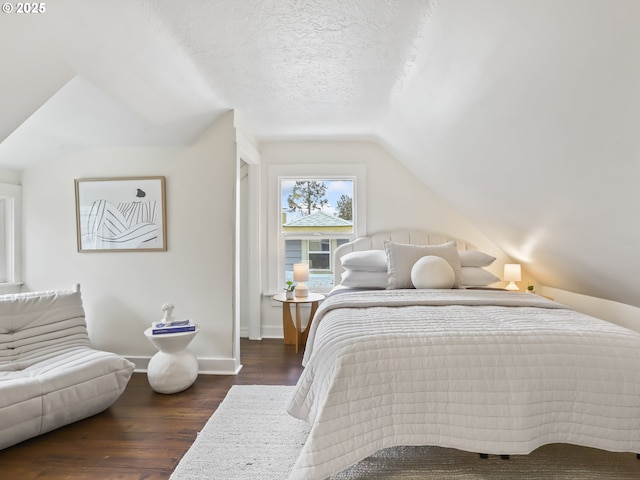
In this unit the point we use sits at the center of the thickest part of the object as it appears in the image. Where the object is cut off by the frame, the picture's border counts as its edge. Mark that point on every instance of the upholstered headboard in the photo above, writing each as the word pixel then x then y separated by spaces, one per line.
pixel 376 242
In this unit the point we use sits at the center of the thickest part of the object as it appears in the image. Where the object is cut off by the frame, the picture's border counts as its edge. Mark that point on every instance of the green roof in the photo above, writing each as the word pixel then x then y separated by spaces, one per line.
pixel 319 219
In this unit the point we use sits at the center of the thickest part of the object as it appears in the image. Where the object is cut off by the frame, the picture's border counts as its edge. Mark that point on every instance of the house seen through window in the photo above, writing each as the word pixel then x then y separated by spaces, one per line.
pixel 317 215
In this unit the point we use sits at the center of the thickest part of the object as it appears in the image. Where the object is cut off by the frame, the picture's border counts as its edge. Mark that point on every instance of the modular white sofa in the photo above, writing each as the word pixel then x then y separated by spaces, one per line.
pixel 50 375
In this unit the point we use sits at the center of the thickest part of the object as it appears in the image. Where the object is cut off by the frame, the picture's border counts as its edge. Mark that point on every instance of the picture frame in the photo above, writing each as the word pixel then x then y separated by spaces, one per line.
pixel 126 214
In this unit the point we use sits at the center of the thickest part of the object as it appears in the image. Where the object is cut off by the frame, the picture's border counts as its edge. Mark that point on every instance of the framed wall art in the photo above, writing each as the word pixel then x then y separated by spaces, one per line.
pixel 121 214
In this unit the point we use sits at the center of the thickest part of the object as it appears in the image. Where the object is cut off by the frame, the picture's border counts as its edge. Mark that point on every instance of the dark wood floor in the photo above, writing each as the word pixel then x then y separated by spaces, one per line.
pixel 144 434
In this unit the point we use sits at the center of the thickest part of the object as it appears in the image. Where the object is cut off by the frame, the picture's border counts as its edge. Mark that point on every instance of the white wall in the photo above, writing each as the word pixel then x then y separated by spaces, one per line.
pixel 123 292
pixel 395 200
pixel 615 312
pixel 12 177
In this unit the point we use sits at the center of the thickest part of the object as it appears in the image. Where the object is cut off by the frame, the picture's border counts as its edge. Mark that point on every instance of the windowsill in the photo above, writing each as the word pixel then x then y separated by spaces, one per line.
pixel 323 291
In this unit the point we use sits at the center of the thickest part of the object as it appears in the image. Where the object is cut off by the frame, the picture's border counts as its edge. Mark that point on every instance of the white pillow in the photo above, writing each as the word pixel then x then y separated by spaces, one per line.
pixel 477 277
pixel 363 279
pixel 401 258
pixel 473 258
pixel 366 261
pixel 432 272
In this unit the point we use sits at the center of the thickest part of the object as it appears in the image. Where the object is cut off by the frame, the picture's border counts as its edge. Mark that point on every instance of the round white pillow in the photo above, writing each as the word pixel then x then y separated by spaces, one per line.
pixel 432 272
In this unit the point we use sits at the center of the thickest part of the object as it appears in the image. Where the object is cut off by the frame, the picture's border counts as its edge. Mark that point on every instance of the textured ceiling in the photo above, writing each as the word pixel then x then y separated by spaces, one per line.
pixel 523 115
pixel 300 67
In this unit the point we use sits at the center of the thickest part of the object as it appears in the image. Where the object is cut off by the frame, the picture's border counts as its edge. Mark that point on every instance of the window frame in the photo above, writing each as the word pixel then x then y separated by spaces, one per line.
pixel 309 252
pixel 10 244
pixel 276 238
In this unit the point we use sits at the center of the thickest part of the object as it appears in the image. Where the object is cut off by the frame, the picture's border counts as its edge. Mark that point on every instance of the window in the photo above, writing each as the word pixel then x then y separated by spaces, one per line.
pixel 319 255
pixel 10 215
pixel 318 208
pixel 314 207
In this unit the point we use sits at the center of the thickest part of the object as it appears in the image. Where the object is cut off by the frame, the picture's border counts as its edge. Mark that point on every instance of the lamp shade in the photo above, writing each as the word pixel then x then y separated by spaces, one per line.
pixel 512 272
pixel 301 272
pixel 301 275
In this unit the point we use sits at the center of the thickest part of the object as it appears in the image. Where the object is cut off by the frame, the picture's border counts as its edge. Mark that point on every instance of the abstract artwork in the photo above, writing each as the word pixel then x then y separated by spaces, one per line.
pixel 121 214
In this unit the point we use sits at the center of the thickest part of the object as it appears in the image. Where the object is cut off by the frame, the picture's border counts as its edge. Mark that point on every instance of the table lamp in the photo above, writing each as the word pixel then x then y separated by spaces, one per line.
pixel 512 274
pixel 301 275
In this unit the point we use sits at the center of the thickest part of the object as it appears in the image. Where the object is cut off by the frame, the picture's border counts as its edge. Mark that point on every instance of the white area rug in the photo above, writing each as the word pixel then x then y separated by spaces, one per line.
pixel 251 437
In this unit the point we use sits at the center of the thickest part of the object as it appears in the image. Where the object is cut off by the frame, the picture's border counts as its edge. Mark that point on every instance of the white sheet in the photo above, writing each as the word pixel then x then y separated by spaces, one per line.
pixel 480 377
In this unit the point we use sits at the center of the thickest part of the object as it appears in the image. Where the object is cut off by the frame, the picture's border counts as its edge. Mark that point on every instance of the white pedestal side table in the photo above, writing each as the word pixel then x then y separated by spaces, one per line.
pixel 174 368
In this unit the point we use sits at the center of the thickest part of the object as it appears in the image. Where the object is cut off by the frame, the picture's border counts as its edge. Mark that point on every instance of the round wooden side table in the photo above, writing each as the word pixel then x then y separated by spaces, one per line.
pixel 293 334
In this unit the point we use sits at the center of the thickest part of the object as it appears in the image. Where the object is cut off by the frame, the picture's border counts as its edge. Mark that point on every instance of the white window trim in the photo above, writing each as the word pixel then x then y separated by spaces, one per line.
pixel 12 196
pixel 275 244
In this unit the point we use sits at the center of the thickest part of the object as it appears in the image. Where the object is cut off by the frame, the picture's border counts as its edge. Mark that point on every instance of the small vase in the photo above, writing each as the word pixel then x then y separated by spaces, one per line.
pixel 290 294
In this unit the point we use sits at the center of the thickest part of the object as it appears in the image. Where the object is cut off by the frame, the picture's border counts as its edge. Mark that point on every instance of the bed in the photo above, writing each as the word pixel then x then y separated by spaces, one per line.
pixel 477 369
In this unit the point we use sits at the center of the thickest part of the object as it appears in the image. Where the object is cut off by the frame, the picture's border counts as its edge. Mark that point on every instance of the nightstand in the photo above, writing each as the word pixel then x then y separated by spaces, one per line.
pixel 292 330
pixel 174 367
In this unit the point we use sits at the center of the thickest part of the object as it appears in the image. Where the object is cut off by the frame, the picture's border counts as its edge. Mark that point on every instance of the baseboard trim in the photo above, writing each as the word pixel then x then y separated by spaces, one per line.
pixel 265 332
pixel 206 365
pixel 272 331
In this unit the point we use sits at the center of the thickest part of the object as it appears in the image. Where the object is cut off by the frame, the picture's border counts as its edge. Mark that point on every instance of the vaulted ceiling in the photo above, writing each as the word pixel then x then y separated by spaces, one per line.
pixel 523 115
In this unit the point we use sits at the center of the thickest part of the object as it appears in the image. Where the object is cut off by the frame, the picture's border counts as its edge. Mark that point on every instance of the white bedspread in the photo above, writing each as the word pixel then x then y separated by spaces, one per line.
pixel 463 369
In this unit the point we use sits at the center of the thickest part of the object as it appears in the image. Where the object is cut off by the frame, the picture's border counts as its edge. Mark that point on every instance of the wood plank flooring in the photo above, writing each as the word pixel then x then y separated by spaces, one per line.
pixel 144 434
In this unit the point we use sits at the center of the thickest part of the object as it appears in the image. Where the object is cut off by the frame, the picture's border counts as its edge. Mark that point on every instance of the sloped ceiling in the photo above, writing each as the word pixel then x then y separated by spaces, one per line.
pixel 524 115
pixel 93 74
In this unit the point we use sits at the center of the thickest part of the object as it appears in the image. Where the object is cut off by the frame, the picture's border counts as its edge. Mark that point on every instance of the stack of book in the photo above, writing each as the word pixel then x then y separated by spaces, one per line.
pixel 177 326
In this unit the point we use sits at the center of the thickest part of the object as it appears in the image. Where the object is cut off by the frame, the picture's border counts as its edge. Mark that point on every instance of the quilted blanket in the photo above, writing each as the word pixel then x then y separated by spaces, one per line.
pixel 481 371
